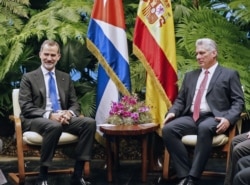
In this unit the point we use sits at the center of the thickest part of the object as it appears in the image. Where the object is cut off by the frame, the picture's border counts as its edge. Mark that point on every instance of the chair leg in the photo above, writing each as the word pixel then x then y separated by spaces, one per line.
pixel 227 162
pixel 166 164
pixel 86 169
pixel 21 168
pixel 20 154
pixel 19 178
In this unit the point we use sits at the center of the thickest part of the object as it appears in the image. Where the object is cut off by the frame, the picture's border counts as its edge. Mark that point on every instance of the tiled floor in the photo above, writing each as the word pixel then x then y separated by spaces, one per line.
pixel 129 173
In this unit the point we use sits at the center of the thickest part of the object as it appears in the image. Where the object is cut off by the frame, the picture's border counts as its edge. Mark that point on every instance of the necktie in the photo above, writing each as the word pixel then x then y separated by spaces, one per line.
pixel 197 101
pixel 52 92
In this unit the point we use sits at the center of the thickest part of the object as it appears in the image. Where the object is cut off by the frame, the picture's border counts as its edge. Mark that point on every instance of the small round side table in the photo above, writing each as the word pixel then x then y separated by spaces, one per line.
pixel 114 132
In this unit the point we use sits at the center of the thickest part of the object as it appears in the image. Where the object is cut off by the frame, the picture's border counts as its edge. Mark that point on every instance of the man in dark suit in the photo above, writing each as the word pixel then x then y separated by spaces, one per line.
pixel 220 106
pixel 49 116
pixel 242 172
pixel 239 164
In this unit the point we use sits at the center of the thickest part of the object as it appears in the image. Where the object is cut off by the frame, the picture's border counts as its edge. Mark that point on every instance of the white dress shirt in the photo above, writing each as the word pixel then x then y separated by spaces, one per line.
pixel 48 101
pixel 204 106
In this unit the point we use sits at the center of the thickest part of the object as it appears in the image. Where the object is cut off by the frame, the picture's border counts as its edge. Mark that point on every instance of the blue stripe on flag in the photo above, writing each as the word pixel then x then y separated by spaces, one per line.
pixel 103 80
pixel 110 53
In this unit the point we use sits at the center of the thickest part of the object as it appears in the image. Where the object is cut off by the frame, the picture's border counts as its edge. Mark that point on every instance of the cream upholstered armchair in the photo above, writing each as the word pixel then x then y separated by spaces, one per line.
pixel 31 140
pixel 220 142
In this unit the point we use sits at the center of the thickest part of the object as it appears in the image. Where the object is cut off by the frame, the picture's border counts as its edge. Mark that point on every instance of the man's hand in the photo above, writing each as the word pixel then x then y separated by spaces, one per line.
pixel 62 117
pixel 223 125
pixel 169 117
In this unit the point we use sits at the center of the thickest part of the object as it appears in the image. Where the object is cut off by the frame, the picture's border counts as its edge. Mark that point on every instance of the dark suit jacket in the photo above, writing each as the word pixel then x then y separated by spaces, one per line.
pixel 224 95
pixel 32 95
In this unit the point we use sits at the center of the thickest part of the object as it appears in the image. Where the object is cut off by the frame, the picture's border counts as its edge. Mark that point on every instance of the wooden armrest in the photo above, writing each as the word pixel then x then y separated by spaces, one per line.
pixel 243 115
pixel 239 122
pixel 232 131
pixel 19 133
pixel 18 126
pixel 11 117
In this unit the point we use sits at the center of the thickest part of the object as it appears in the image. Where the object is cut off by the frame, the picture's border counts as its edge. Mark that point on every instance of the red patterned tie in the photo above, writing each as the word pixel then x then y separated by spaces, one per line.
pixel 197 101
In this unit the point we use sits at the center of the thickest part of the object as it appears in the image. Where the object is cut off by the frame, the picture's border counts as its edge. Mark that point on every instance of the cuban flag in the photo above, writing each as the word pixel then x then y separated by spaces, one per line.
pixel 107 40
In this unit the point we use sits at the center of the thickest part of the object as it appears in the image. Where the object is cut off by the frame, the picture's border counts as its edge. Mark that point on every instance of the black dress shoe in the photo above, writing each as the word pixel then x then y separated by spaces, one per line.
pixel 79 181
pixel 191 182
pixel 183 181
pixel 41 182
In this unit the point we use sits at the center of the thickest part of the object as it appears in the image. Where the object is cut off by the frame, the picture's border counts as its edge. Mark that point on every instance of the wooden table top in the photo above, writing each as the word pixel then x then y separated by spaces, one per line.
pixel 137 129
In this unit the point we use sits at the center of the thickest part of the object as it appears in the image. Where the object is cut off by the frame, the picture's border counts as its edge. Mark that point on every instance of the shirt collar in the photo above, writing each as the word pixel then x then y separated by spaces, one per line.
pixel 211 69
pixel 45 71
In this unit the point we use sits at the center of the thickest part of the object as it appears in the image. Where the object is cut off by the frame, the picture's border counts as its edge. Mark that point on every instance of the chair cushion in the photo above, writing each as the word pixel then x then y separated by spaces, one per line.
pixel 218 140
pixel 33 138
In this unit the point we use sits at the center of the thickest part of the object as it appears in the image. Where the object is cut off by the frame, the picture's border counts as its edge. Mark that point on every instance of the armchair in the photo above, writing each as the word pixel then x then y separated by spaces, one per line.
pixel 220 142
pixel 30 140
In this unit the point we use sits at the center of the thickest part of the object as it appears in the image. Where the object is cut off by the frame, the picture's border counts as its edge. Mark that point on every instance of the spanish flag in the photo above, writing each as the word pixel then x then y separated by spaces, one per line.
pixel 154 45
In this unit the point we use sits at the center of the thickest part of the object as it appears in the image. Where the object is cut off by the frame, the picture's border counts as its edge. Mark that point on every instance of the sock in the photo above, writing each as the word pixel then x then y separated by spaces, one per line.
pixel 78 169
pixel 43 175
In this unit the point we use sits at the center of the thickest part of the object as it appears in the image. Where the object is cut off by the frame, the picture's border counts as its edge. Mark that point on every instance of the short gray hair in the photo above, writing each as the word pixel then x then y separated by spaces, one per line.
pixel 50 43
pixel 209 44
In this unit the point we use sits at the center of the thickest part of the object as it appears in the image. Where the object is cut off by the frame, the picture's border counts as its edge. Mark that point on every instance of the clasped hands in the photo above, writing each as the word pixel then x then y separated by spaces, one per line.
pixel 221 127
pixel 62 116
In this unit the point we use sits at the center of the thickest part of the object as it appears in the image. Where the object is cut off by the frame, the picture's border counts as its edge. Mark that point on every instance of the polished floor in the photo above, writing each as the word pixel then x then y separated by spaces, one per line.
pixel 129 172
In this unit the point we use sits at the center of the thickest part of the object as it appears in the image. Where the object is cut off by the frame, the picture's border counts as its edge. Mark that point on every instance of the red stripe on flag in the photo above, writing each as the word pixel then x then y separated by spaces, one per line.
pixel 157 59
pixel 110 12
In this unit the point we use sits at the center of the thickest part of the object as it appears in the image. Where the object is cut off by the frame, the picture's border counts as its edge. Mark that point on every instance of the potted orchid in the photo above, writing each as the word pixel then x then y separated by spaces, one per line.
pixel 129 110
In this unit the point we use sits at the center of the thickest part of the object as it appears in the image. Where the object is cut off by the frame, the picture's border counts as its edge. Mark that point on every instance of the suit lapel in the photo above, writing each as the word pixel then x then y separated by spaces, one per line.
pixel 60 80
pixel 215 76
pixel 195 80
pixel 41 83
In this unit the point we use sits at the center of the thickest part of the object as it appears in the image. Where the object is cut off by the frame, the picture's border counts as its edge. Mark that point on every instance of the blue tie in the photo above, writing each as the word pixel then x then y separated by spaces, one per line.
pixel 52 93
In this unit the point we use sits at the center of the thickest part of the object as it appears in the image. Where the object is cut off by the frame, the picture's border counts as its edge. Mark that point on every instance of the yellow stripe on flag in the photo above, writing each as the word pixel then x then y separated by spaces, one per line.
pixel 154 45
